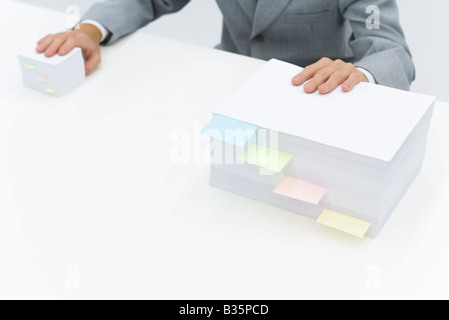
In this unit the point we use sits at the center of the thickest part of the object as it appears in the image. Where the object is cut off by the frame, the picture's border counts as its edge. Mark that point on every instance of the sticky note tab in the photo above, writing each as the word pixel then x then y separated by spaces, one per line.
pixel 50 90
pixel 230 130
pixel 344 223
pixel 41 79
pixel 20 57
pixel 266 158
pixel 30 66
pixel 300 190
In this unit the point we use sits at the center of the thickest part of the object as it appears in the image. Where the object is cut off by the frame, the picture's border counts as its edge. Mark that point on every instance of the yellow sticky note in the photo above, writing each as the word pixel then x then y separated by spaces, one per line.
pixel 266 158
pixel 344 223
pixel 50 90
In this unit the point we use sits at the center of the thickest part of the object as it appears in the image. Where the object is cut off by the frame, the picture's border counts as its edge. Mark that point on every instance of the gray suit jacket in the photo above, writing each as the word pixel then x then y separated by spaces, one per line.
pixel 297 31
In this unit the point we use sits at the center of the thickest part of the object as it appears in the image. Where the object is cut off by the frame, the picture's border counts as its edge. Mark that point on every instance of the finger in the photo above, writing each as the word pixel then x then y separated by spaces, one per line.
pixel 91 63
pixel 320 77
pixel 44 43
pixel 310 71
pixel 354 79
pixel 364 78
pixel 336 79
pixel 67 46
pixel 53 48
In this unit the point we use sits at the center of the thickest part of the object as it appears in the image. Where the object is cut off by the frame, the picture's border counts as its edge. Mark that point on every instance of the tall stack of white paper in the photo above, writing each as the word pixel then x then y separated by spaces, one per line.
pixel 345 159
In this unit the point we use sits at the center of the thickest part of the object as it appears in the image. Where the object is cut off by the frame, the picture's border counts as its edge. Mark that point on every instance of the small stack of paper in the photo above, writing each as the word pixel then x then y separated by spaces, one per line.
pixel 55 76
pixel 344 159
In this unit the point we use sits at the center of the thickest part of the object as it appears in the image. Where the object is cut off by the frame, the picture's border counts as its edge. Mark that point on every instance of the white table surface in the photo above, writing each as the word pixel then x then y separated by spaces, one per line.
pixel 93 205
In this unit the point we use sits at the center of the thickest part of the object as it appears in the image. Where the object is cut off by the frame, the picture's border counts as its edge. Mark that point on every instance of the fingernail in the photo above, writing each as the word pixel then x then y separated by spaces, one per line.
pixel 324 87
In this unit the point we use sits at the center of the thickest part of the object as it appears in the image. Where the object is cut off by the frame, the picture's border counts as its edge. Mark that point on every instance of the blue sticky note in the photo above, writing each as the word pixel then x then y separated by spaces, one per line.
pixel 229 130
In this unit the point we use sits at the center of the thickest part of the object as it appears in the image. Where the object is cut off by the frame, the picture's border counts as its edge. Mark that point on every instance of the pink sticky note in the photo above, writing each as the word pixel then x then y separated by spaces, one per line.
pixel 41 79
pixel 300 190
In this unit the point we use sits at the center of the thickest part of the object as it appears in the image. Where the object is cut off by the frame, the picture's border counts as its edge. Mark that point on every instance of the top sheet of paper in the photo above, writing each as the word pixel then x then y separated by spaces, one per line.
pixel 371 120
pixel 40 57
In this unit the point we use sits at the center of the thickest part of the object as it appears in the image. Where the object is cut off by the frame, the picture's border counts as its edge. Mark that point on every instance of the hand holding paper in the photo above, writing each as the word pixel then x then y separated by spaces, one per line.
pixel 87 37
pixel 326 75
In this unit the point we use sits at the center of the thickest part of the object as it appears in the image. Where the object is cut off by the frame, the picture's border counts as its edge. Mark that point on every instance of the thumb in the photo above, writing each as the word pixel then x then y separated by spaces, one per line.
pixel 92 61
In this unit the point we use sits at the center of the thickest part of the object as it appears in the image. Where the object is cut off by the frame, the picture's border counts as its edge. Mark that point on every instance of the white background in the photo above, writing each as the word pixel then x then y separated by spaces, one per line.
pixel 425 26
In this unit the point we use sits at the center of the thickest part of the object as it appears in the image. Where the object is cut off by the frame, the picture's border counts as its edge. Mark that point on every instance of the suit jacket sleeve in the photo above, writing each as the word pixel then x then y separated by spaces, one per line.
pixel 122 17
pixel 383 52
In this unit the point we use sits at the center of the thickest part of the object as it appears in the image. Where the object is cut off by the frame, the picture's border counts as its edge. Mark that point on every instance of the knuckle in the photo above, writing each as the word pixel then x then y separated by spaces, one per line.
pixel 308 69
pixel 357 75
pixel 322 73
pixel 77 35
pixel 62 36
pixel 59 35
pixel 70 41
pixel 338 74
pixel 351 67
pixel 325 59
pixel 73 41
pixel 57 40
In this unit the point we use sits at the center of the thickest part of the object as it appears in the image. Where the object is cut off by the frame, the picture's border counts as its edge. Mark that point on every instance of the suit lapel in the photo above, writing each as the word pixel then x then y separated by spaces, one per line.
pixel 267 12
pixel 249 6
pixel 236 14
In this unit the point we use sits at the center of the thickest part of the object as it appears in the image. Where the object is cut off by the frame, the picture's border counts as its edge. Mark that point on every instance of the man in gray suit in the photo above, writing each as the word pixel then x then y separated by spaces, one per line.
pixel 329 37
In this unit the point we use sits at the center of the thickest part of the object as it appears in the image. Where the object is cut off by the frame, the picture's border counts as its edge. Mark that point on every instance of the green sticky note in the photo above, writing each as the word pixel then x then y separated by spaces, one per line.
pixel 30 66
pixel 266 158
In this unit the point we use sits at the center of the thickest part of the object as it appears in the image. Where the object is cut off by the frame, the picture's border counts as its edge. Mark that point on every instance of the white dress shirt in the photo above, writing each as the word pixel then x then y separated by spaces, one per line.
pixel 103 30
